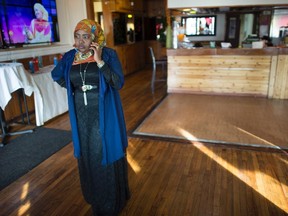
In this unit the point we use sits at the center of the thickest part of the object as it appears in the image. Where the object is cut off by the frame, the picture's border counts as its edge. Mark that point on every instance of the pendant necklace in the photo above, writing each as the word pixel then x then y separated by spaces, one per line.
pixel 84 86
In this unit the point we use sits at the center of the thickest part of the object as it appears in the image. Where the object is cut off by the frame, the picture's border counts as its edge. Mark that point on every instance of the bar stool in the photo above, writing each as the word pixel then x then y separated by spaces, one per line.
pixel 155 62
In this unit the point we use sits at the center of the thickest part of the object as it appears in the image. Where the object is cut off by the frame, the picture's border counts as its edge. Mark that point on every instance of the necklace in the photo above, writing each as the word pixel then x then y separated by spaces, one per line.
pixel 82 56
pixel 84 86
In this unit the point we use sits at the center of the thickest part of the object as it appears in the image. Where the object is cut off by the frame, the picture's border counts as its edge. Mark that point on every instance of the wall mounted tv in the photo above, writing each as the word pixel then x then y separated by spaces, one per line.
pixel 199 25
pixel 28 22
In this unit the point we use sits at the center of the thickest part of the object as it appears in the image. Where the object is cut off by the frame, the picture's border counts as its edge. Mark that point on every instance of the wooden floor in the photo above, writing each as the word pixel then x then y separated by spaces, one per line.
pixel 228 120
pixel 165 177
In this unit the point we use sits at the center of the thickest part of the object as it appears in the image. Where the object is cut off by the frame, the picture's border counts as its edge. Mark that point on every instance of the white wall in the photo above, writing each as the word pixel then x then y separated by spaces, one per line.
pixel 217 3
pixel 69 12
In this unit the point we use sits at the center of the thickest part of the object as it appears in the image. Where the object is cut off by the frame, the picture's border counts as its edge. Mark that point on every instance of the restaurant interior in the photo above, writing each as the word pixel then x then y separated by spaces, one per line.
pixel 229 49
pixel 131 27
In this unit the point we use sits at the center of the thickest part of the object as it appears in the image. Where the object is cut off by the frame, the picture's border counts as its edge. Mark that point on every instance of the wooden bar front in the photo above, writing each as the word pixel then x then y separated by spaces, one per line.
pixel 257 72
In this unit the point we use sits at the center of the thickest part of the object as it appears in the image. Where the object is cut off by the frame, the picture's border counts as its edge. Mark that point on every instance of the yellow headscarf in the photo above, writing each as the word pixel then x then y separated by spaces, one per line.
pixel 94 29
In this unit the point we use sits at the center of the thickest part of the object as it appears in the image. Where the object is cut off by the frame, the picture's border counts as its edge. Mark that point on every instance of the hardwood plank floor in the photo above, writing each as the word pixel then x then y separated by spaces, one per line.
pixel 165 177
pixel 242 121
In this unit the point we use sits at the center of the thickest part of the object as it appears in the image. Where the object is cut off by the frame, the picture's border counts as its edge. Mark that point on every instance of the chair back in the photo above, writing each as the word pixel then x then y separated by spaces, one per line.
pixel 153 58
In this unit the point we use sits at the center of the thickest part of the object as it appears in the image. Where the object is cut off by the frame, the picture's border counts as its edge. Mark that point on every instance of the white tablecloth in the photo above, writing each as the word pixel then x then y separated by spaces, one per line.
pixel 49 97
pixel 13 76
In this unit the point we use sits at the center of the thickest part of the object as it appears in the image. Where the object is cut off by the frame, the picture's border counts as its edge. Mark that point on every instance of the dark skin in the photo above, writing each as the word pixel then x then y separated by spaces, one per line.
pixel 84 43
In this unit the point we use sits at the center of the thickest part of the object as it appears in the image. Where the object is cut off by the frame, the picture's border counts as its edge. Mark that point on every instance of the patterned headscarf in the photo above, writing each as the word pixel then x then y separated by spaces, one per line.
pixel 94 29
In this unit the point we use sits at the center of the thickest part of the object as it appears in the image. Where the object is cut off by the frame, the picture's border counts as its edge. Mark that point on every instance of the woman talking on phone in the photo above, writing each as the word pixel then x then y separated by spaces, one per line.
pixel 92 75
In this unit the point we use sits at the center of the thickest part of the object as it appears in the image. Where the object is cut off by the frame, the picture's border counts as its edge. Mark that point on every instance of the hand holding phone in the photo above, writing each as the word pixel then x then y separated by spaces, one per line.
pixel 97 51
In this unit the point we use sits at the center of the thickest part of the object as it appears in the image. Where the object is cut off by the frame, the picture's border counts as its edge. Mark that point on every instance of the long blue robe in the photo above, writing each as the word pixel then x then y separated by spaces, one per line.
pixel 112 122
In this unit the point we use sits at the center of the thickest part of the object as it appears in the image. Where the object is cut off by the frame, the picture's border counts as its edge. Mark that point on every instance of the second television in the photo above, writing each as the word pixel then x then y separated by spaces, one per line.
pixel 199 25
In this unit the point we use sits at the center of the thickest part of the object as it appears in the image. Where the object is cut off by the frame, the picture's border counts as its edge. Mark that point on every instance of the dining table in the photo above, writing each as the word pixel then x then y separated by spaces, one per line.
pixel 13 77
pixel 50 99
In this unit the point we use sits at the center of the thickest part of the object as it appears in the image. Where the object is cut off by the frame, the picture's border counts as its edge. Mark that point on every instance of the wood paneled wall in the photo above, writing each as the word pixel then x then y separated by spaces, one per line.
pixel 254 74
pixel 279 82
pixel 219 74
pixel 12 110
pixel 132 57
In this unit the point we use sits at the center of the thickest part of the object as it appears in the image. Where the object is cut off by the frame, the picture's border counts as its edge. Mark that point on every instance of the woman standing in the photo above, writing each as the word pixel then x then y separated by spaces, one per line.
pixel 92 74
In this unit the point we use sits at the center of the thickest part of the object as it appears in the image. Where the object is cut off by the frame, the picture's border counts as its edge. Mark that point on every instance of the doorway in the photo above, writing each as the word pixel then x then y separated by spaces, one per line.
pixel 232 29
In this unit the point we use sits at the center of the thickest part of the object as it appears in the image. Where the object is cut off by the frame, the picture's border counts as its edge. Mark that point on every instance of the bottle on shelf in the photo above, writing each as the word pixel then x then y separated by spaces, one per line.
pixel 36 64
pixel 55 60
pixel 40 61
pixel 31 66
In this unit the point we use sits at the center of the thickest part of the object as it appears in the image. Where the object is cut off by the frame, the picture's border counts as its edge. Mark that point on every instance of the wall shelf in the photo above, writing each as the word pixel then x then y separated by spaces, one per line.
pixel 11 54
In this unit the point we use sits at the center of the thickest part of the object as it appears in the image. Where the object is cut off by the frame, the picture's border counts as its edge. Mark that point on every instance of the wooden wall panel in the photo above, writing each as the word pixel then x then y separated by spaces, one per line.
pixel 131 59
pixel 219 74
pixel 273 70
pixel 132 56
pixel 281 78
pixel 12 110
pixel 285 83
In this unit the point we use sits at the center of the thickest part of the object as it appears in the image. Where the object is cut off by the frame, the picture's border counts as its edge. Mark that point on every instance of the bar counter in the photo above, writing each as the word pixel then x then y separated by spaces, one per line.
pixel 235 71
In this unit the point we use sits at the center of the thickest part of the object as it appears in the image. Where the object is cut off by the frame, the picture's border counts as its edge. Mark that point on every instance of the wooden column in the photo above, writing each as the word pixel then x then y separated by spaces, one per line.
pixel 90 9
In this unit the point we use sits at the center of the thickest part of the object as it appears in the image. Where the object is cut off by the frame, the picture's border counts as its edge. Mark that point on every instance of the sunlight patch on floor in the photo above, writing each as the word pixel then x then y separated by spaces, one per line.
pixel 134 165
pixel 25 202
pixel 240 174
pixel 256 137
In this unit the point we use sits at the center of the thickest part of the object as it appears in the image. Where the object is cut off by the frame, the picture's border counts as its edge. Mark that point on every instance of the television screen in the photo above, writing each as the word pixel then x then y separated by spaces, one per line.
pixel 199 25
pixel 29 22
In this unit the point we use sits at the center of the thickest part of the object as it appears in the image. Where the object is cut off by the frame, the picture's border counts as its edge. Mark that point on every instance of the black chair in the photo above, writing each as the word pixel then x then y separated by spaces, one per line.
pixel 155 62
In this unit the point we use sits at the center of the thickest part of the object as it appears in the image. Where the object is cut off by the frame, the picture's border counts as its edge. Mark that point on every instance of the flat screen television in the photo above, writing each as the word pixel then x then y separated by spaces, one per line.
pixel 199 25
pixel 28 22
